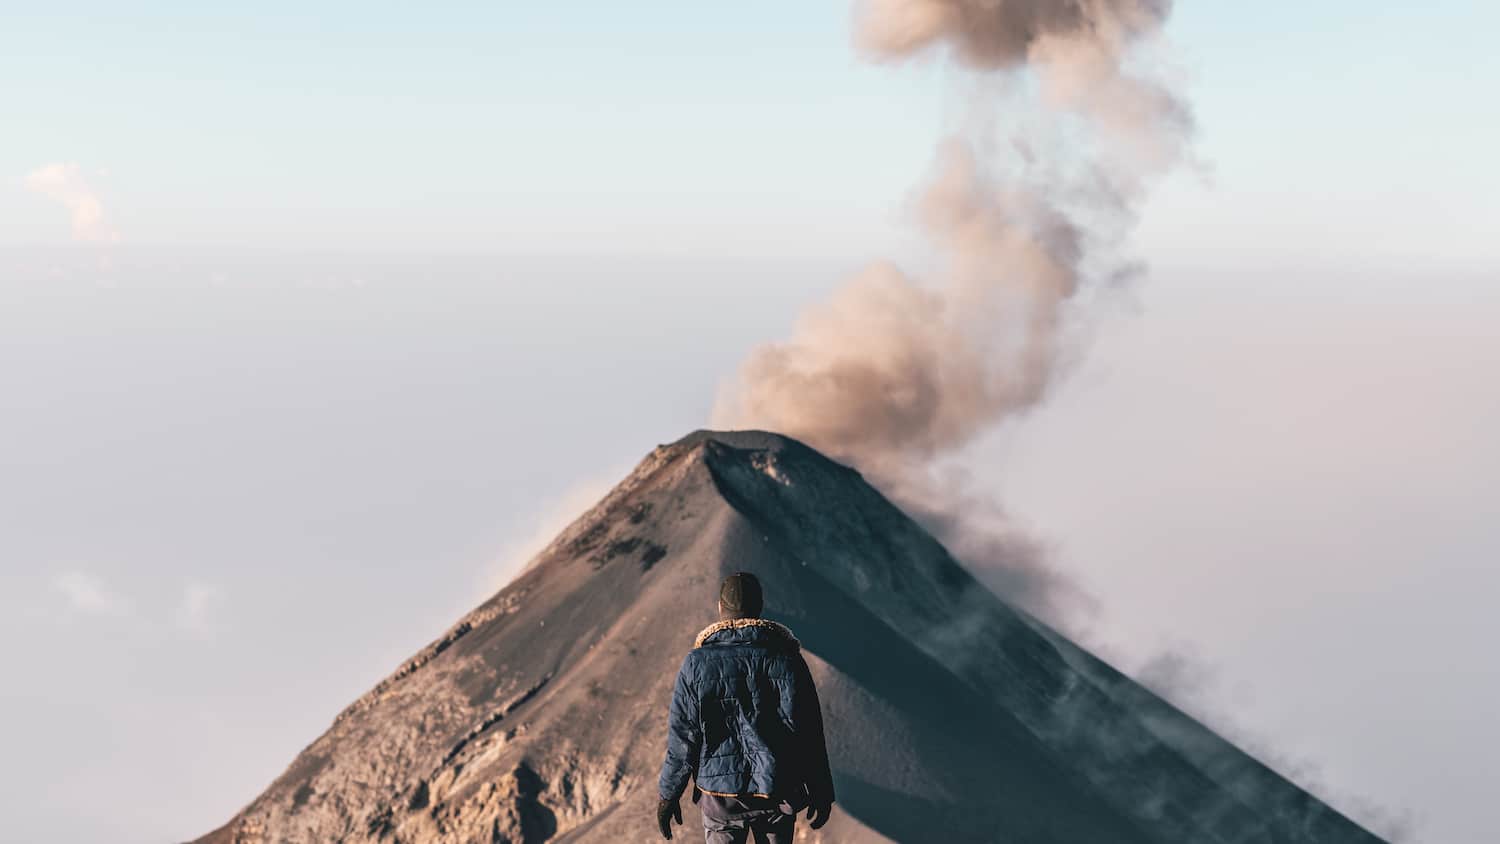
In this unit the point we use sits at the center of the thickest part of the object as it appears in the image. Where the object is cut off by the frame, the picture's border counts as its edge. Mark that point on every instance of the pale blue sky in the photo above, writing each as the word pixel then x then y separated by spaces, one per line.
pixel 391 283
pixel 677 126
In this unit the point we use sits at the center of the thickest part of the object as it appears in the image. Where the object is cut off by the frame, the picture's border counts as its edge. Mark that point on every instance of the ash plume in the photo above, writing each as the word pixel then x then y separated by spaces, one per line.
pixel 1025 212
pixel 1001 33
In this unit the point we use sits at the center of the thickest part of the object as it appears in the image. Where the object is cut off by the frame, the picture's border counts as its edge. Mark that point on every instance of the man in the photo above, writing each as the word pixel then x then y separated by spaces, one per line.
pixel 745 724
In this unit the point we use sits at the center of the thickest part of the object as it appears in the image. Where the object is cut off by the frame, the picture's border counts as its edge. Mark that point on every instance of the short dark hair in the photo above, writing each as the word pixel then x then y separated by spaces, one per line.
pixel 740 596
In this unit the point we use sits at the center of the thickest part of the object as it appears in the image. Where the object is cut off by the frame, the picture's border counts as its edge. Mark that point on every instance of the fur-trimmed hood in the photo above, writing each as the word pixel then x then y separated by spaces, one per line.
pixel 740 623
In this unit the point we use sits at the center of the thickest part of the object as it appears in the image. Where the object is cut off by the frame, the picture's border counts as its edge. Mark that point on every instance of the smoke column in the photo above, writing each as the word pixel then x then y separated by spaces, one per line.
pixel 1025 211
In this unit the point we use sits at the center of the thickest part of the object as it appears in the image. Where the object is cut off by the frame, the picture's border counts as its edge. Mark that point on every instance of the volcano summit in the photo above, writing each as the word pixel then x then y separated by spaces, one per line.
pixel 951 717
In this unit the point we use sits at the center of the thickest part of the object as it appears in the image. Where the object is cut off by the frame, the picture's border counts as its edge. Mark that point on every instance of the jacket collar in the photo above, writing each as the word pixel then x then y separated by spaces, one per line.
pixel 741 623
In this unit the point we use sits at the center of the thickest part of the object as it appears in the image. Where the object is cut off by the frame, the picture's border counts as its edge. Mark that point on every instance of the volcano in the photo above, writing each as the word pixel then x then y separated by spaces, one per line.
pixel 951 716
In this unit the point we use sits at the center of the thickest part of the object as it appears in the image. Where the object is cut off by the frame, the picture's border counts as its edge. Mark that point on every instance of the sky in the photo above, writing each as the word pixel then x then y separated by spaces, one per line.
pixel 313 320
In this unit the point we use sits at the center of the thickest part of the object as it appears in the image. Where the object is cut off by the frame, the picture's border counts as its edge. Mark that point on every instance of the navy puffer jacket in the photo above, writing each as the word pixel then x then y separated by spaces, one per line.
pixel 745 718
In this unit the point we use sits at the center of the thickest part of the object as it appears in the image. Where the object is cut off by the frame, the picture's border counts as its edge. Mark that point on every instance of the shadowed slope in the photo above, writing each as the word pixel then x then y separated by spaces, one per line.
pixel 951 717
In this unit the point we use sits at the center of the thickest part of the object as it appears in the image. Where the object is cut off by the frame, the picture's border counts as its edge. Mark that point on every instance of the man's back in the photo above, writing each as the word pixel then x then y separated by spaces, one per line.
pixel 745 721
pixel 756 710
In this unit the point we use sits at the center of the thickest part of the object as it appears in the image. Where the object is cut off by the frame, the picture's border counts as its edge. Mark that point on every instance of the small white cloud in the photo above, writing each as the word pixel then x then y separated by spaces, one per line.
pixel 65 184
pixel 87 594
pixel 198 608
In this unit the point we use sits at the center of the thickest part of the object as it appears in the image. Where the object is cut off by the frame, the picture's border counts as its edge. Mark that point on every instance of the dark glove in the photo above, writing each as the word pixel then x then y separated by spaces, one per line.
pixel 666 812
pixel 697 795
pixel 817 814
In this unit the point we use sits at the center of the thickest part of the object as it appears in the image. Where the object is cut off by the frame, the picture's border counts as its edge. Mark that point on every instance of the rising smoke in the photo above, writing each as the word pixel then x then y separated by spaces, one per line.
pixel 1026 211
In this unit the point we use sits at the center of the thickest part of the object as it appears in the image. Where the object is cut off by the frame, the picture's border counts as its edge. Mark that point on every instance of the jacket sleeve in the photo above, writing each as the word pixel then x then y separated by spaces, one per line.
pixel 807 714
pixel 684 737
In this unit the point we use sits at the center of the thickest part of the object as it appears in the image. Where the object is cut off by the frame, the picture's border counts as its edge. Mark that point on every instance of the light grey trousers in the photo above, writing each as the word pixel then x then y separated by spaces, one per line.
pixel 732 820
pixel 768 828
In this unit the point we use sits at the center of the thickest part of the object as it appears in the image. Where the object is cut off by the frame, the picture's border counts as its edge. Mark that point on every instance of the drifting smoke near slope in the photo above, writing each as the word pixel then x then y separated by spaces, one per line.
pixel 1025 216
pixel 1186 680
